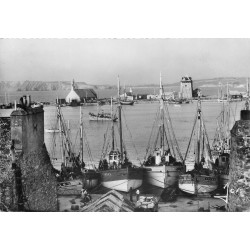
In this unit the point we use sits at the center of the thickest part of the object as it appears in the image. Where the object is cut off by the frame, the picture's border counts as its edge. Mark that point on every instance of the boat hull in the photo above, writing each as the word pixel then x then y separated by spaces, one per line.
pixel 223 179
pixel 162 176
pixel 98 118
pixel 90 179
pixel 204 184
pixel 122 179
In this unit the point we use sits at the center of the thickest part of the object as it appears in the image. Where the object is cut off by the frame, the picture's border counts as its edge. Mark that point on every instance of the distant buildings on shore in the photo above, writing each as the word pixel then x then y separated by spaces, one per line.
pixel 186 88
pixel 80 95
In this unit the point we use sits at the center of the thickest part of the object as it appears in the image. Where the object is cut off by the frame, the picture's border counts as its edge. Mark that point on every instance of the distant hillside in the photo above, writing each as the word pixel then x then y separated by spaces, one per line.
pixel 208 86
pixel 43 86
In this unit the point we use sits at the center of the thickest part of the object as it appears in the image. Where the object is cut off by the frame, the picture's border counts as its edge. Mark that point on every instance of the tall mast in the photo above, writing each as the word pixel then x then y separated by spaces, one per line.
pixel 81 135
pixel 162 113
pixel 197 160
pixel 112 120
pixel 60 132
pixel 120 119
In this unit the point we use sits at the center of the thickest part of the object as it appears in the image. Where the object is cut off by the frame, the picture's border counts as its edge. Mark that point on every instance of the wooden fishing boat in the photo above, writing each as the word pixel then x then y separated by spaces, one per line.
pixel 161 165
pixel 202 179
pixel 101 116
pixel 221 143
pixel 71 167
pixel 195 184
pixel 117 172
pixel 90 174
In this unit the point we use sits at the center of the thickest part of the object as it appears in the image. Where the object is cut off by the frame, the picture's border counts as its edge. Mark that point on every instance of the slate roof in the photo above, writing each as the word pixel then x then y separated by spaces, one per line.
pixel 83 93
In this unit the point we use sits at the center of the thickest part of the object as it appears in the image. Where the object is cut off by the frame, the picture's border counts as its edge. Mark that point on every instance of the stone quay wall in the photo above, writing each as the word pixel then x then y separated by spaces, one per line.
pixel 239 172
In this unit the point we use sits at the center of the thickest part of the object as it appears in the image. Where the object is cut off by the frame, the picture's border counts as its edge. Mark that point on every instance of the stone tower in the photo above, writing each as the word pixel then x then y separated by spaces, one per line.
pixel 186 88
pixel 30 181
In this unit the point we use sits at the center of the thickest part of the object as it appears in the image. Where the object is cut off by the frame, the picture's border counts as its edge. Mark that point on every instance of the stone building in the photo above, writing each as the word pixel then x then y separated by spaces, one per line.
pixel 27 179
pixel 239 171
pixel 186 87
pixel 80 95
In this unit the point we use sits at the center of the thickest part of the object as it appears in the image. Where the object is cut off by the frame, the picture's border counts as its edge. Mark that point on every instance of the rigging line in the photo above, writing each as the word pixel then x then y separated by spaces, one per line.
pixel 157 137
pixel 171 142
pixel 73 148
pixel 151 134
pixel 190 140
pixel 106 135
pixel 87 145
pixel 131 138
pixel 208 145
pixel 176 142
pixel 165 133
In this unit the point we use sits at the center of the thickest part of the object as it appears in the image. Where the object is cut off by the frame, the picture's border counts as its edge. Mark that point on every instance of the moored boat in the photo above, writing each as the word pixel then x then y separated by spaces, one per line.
pixel 161 165
pixel 116 171
pixel 101 116
pixel 195 184
pixel 221 143
pixel 202 179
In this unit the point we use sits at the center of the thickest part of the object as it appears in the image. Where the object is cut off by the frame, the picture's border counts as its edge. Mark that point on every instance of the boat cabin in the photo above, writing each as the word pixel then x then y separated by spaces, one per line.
pixel 159 157
pixel 114 159
pixel 223 160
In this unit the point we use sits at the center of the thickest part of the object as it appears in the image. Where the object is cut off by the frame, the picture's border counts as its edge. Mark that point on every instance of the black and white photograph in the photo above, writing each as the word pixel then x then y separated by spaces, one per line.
pixel 96 125
pixel 124 106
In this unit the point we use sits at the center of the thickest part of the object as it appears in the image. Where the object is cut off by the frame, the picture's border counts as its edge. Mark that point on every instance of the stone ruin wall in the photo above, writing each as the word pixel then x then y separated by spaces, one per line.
pixel 39 181
pixel 38 178
pixel 239 174
pixel 7 191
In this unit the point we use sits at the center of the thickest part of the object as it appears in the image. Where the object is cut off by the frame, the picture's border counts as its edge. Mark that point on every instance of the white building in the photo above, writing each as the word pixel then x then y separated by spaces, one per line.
pixel 80 95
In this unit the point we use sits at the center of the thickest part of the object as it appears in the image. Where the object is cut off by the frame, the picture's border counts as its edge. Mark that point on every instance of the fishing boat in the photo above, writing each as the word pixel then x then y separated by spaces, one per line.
pixel 161 164
pixel 71 166
pixel 117 172
pixel 202 179
pixel 90 174
pixel 101 116
pixel 127 98
pixel 221 143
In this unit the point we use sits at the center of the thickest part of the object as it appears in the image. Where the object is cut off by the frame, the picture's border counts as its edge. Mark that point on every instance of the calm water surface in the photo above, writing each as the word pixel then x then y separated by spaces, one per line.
pixel 139 120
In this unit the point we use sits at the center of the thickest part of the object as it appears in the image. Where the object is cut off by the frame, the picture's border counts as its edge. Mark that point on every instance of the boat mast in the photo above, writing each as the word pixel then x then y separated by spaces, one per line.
pixel 197 160
pixel 60 132
pixel 81 135
pixel 120 119
pixel 112 120
pixel 161 113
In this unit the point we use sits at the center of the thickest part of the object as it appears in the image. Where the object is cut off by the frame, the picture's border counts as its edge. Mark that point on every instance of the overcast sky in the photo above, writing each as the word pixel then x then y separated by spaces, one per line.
pixel 99 61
